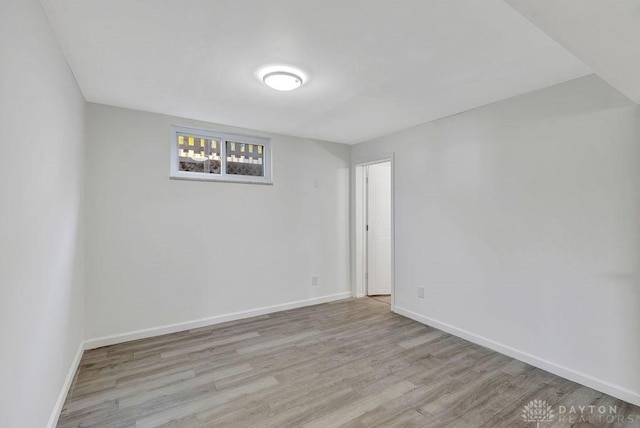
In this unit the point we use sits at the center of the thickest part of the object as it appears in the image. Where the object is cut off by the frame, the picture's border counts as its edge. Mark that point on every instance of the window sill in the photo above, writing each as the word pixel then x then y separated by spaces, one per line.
pixel 221 180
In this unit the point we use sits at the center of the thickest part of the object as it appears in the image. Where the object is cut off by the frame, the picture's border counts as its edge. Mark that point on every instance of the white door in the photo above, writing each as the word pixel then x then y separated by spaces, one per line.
pixel 379 229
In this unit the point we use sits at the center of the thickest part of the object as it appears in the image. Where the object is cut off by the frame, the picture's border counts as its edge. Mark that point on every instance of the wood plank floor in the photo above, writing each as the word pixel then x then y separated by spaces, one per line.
pixel 383 298
pixel 349 363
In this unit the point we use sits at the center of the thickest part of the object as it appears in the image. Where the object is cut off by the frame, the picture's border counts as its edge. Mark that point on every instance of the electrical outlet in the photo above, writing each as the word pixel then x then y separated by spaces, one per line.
pixel 421 292
pixel 315 280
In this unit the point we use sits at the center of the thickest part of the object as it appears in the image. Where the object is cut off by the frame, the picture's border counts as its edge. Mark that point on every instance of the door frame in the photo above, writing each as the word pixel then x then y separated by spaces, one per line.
pixel 358 223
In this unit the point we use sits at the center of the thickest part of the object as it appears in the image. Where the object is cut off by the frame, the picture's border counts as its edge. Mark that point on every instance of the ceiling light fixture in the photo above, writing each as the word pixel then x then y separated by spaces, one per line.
pixel 282 80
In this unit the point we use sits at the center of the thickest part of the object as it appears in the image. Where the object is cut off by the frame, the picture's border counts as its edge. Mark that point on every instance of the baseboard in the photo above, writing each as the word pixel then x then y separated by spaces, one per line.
pixel 562 371
pixel 187 325
pixel 66 386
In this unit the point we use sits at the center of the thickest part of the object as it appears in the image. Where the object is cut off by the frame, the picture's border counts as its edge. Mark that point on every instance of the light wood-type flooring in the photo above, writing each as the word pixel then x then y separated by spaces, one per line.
pixel 349 363
pixel 383 298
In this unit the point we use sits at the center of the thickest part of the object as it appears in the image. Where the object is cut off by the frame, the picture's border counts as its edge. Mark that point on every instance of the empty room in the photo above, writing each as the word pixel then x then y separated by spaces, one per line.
pixel 294 213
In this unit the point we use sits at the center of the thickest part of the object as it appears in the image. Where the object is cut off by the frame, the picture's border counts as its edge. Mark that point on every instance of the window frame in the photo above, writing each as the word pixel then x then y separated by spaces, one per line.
pixel 222 137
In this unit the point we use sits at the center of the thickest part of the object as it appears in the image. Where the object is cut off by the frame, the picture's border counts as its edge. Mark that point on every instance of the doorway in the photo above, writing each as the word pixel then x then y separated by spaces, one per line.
pixel 378 229
pixel 373 231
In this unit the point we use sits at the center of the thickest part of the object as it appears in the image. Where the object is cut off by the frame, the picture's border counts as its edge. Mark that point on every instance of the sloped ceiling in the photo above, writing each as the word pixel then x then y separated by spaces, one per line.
pixel 373 66
pixel 604 34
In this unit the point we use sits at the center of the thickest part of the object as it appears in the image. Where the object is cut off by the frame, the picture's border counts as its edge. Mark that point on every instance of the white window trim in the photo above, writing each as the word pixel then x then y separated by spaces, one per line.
pixel 176 174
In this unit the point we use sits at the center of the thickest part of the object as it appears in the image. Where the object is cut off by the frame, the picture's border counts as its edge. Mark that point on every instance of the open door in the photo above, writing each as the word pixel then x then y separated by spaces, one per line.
pixel 378 228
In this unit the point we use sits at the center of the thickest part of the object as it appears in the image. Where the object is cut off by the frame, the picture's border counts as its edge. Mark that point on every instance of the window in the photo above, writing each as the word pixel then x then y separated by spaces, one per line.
pixel 201 154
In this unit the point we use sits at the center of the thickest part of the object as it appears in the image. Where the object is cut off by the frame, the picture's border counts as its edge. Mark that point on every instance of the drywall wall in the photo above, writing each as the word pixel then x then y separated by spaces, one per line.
pixel 520 219
pixel 41 226
pixel 163 251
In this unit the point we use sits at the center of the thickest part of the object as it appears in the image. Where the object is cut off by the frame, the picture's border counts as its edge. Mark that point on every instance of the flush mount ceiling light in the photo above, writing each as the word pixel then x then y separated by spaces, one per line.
pixel 282 80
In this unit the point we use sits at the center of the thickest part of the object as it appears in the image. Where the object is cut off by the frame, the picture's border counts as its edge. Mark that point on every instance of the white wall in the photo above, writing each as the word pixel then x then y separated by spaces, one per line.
pixel 41 226
pixel 163 251
pixel 521 220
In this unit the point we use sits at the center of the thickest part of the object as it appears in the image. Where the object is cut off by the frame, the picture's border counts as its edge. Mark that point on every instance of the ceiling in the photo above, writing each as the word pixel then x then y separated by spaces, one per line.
pixel 605 35
pixel 373 66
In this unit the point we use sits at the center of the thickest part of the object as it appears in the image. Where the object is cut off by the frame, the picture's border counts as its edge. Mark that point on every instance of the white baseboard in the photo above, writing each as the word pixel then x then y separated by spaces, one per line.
pixel 204 322
pixel 625 394
pixel 55 415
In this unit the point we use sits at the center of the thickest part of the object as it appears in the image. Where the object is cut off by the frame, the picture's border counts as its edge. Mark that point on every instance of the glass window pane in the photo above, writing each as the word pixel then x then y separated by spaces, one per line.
pixel 245 159
pixel 197 154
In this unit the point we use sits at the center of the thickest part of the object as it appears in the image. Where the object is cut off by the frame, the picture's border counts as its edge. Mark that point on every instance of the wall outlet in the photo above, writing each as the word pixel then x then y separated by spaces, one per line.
pixel 421 292
pixel 315 280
